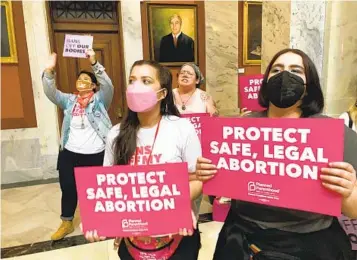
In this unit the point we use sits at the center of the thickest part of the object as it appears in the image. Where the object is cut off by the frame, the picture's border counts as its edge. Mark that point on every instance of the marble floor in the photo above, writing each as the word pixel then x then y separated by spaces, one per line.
pixel 30 215
pixel 104 250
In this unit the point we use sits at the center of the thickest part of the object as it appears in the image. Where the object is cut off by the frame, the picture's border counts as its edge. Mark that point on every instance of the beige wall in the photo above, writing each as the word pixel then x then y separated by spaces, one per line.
pixel 221 54
pixel 275 29
pixel 340 57
pixel 133 44
pixel 326 31
pixel 31 153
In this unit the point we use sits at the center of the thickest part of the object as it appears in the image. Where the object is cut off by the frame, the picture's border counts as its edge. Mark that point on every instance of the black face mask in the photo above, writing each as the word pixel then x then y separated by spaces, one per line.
pixel 285 89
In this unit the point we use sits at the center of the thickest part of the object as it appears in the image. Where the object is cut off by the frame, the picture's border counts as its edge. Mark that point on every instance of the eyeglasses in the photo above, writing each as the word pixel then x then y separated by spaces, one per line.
pixel 182 72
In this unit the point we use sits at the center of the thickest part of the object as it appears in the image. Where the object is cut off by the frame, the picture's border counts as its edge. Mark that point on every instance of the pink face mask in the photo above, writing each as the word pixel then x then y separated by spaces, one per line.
pixel 141 98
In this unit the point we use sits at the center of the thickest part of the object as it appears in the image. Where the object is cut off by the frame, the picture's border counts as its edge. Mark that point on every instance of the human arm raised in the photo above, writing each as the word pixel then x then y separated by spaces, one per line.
pixel 106 88
pixel 49 84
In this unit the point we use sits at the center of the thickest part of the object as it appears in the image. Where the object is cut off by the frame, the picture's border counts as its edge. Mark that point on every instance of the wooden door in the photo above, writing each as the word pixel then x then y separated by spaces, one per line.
pixel 101 19
pixel 106 48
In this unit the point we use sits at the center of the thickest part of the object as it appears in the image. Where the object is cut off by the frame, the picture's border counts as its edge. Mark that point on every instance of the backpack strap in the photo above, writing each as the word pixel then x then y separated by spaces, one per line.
pixel 350 122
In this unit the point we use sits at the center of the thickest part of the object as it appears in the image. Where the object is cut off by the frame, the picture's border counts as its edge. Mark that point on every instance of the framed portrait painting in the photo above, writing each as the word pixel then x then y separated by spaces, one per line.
pixel 252 32
pixel 8 43
pixel 173 33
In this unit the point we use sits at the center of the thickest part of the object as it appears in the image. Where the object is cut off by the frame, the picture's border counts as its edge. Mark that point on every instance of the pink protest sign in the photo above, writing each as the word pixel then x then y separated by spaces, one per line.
pixel 276 162
pixel 350 226
pixel 195 119
pixel 249 87
pixel 123 201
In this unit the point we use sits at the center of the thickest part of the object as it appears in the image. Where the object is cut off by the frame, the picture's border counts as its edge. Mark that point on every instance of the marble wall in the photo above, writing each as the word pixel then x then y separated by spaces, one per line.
pixel 275 29
pixel 325 30
pixel 307 29
pixel 30 154
pixel 132 33
pixel 222 54
pixel 340 56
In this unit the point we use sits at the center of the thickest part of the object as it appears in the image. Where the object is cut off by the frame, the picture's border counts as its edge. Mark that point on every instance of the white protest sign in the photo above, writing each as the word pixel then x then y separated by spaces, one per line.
pixel 76 45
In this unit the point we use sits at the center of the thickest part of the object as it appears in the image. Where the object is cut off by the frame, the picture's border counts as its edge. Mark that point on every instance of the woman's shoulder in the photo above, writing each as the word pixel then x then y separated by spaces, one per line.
pixel 203 95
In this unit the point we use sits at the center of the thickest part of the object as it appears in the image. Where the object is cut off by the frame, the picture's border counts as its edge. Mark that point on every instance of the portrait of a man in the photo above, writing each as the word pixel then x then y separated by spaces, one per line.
pixel 176 46
pixel 172 33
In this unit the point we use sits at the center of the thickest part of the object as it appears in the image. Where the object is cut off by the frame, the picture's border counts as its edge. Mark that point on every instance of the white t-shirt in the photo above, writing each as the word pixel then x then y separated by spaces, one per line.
pixel 176 141
pixel 346 118
pixel 83 138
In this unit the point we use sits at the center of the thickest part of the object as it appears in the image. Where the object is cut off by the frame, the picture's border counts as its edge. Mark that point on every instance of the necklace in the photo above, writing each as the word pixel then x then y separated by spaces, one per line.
pixel 82 125
pixel 183 106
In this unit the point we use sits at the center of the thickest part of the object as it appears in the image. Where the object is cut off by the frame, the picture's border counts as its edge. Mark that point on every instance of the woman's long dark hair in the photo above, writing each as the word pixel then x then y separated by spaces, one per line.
pixel 125 142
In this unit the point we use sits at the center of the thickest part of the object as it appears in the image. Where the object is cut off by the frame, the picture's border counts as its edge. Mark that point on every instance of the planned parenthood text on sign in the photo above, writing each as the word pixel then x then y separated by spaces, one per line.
pixel 127 201
pixel 274 161
pixel 76 45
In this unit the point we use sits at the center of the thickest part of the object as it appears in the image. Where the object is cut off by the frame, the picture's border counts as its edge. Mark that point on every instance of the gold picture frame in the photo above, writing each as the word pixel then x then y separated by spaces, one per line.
pixel 8 42
pixel 159 31
pixel 252 32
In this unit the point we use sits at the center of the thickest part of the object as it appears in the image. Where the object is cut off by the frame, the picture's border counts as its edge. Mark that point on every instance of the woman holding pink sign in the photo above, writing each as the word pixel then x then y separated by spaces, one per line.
pixel 153 132
pixel 291 89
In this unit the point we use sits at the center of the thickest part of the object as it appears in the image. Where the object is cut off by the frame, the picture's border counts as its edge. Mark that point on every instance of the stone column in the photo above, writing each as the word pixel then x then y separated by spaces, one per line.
pixel 340 56
pixel 132 33
pixel 275 29
pixel 325 30
pixel 307 27
pixel 221 54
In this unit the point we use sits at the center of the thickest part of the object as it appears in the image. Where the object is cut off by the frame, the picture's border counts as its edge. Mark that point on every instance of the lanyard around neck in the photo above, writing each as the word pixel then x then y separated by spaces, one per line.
pixel 152 147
